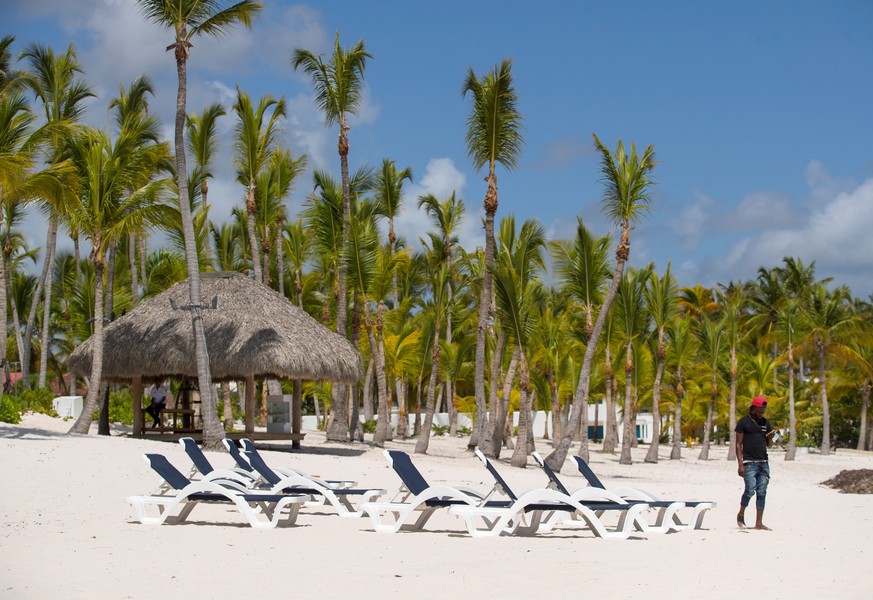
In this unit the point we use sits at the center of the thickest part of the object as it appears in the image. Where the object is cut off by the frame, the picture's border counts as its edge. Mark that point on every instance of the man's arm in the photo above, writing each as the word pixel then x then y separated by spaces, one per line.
pixel 741 471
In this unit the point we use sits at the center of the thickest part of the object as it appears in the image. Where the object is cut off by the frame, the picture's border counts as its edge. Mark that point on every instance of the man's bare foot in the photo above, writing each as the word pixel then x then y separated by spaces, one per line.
pixel 762 527
pixel 741 520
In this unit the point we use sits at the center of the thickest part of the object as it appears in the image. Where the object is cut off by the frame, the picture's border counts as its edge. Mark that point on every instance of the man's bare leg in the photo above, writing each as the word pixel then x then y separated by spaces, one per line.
pixel 759 521
pixel 741 517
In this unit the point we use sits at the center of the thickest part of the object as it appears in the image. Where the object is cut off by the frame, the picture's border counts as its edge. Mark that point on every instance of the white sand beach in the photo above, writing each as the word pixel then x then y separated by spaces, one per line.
pixel 68 532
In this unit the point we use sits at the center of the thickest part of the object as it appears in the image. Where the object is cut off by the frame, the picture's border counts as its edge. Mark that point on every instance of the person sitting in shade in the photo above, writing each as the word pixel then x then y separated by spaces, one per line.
pixel 159 402
pixel 754 436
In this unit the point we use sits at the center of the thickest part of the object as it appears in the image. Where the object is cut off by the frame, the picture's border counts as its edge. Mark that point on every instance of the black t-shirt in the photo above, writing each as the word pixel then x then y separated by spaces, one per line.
pixel 754 440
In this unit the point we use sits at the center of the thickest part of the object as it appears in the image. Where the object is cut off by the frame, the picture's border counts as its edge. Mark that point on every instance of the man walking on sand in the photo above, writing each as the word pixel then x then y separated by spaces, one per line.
pixel 754 436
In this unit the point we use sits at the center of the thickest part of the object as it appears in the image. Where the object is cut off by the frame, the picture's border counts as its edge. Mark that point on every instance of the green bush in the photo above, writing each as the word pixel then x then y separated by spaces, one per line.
pixel 9 411
pixel 439 429
pixel 120 407
pixel 464 431
pixel 369 426
pixel 38 401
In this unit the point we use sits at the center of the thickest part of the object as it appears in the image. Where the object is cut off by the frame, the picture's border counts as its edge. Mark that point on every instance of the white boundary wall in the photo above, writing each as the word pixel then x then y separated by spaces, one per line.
pixel 644 422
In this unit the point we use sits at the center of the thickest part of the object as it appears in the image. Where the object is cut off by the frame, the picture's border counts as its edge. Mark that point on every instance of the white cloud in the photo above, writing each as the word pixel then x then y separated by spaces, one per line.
pixel 692 221
pixel 835 235
pixel 441 178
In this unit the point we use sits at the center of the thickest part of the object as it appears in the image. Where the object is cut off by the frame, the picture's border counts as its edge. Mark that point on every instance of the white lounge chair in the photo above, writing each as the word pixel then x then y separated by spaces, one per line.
pixel 417 499
pixel 261 510
pixel 338 498
pixel 669 508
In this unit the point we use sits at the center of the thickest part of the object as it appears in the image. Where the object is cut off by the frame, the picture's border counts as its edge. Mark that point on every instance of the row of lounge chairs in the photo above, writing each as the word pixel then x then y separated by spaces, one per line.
pixel 268 497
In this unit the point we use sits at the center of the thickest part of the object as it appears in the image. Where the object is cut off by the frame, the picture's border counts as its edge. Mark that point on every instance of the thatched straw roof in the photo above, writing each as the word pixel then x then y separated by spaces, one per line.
pixel 253 331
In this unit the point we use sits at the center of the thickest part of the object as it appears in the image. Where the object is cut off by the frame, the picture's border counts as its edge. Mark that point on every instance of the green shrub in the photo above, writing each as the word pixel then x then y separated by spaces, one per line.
pixel 9 411
pixel 369 426
pixel 121 407
pixel 464 431
pixel 38 401
pixel 439 429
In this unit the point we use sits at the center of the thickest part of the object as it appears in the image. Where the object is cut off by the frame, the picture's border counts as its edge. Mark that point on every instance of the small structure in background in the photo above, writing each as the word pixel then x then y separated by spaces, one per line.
pixel 252 333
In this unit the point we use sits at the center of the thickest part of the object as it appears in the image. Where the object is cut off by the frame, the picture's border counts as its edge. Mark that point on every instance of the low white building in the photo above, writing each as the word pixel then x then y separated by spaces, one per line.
pixel 596 422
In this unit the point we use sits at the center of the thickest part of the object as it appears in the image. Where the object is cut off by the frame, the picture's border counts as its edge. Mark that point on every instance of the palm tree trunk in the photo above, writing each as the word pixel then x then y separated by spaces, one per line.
pixel 486 435
pixel 490 205
pixel 416 425
pixel 519 456
pixel 402 417
pixel 556 408
pixel 228 406
pixel 652 454
pixel 368 391
pixel 382 424
pixel 16 323
pixel 134 274
pixel 704 450
pixel 280 262
pixel 610 439
pixel 732 422
pixel 865 404
pixel 791 450
pixel 676 451
pixel 141 248
pixel 627 415
pixel 83 423
pixel 250 226
pixel 499 437
pixel 77 256
pixel 4 318
pixel 103 425
pixel 825 409
pixel 46 312
pixel 213 432
pixel 51 238
pixel 424 435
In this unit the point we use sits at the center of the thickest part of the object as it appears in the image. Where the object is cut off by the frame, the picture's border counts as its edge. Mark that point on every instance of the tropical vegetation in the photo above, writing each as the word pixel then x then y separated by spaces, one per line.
pixel 494 334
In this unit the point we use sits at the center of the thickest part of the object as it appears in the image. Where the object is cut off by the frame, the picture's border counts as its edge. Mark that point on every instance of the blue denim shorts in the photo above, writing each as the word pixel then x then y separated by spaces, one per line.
pixel 757 477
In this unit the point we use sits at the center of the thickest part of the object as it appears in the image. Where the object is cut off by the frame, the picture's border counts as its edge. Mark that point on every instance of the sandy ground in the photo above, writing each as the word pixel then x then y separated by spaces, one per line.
pixel 68 533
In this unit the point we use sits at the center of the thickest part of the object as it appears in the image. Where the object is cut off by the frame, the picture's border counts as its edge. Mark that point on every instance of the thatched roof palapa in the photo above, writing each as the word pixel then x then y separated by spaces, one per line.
pixel 253 331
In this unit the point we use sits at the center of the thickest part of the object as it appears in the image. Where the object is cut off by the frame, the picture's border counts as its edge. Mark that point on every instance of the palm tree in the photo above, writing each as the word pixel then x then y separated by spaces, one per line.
pixel 21 146
pixel 257 138
pixel 830 328
pixel 493 136
pixel 680 352
pixel 202 143
pixel 189 19
pixel 440 274
pixel 515 287
pixel 338 93
pixel 388 197
pixel 53 81
pixel 272 188
pixel 582 266
pixel 105 210
pixel 712 337
pixel 788 329
pixel 733 302
pixel 446 216
pixel 131 114
pixel 632 321
pixel 660 293
pixel 296 240
pixel 626 199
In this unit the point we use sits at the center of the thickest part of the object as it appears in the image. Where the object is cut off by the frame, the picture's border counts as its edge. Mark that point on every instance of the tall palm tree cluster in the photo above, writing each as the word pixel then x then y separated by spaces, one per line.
pixel 442 328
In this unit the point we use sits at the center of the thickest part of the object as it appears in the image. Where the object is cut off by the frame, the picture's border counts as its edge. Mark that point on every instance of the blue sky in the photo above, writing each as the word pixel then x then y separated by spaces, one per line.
pixel 759 112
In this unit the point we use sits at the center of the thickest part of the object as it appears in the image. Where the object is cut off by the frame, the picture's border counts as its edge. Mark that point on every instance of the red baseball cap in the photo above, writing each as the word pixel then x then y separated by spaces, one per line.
pixel 759 401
